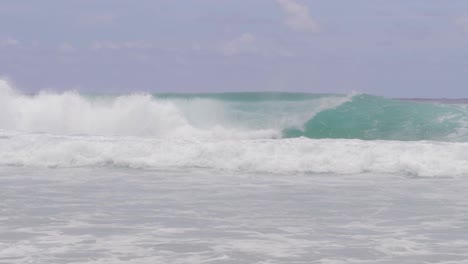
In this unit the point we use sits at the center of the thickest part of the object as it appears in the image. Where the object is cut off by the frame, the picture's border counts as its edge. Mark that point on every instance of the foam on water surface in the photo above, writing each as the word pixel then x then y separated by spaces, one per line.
pixel 300 155
pixel 110 215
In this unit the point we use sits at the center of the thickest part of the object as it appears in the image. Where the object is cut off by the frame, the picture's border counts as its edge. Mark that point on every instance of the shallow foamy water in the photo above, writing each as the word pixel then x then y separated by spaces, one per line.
pixel 114 215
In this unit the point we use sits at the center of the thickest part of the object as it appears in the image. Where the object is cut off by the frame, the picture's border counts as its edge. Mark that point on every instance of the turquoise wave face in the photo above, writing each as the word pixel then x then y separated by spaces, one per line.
pixel 375 118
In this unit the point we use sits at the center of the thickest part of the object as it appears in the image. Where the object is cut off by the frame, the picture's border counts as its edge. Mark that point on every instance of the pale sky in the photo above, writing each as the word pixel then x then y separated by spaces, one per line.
pixel 395 48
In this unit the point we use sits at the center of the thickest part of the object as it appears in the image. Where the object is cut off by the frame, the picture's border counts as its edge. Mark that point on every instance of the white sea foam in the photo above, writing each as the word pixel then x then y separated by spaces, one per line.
pixel 299 155
pixel 71 113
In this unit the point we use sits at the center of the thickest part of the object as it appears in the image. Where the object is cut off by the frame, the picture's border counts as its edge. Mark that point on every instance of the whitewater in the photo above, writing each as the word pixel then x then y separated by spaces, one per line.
pixel 259 177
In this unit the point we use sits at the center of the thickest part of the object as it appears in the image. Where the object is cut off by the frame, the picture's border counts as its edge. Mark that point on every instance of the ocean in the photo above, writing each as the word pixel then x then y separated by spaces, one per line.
pixel 261 177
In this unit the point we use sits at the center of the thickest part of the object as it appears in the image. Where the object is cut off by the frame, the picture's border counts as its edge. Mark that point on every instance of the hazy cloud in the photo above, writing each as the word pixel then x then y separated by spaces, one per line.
pixel 66 48
pixel 110 45
pixel 8 42
pixel 99 19
pixel 462 22
pixel 248 43
pixel 298 17
pixel 243 44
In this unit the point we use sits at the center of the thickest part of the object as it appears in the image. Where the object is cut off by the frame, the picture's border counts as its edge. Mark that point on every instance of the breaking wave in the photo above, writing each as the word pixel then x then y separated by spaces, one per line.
pixel 257 132
pixel 372 118
pixel 232 116
pixel 210 116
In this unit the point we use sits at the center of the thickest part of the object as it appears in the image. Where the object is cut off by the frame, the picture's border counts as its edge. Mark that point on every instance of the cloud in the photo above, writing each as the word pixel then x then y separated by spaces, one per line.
pixel 248 43
pixel 462 23
pixel 243 44
pixel 110 45
pixel 99 19
pixel 8 42
pixel 298 17
pixel 66 48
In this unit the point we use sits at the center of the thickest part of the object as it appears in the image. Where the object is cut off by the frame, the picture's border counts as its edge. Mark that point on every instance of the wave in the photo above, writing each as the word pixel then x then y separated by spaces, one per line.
pixel 284 156
pixel 253 132
pixel 372 118
pixel 208 116
pixel 232 116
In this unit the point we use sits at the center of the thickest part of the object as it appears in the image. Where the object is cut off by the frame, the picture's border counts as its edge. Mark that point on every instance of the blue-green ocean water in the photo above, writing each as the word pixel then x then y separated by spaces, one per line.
pixel 370 117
